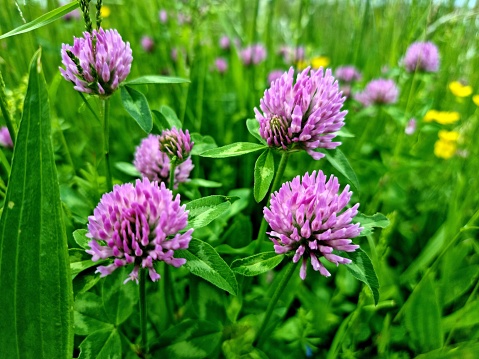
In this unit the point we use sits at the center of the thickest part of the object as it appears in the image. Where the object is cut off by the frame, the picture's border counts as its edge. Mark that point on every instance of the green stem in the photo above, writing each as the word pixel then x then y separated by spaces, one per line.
pixel 143 314
pixel 5 163
pixel 277 181
pixel 171 183
pixel 106 142
pixel 87 104
pixel 290 269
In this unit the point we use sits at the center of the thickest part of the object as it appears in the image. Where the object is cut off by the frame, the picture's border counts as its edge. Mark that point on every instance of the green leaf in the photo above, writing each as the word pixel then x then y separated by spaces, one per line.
pixel 102 344
pixel 42 20
pixel 202 260
pixel 464 350
pixel 227 249
pixel 37 298
pixel 263 174
pixel 189 340
pixel 232 150
pixel 156 80
pixel 339 161
pixel 85 281
pixel 78 267
pixel 362 269
pixel 423 317
pixel 90 315
pixel 127 168
pixel 136 104
pixel 205 210
pixel 202 143
pixel 171 118
pixel 257 264
pixel 119 299
pixel 81 239
pixel 370 222
pixel 253 128
pixel 200 182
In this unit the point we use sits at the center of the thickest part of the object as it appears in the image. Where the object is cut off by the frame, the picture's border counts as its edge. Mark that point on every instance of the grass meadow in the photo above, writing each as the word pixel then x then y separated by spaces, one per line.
pixel 412 164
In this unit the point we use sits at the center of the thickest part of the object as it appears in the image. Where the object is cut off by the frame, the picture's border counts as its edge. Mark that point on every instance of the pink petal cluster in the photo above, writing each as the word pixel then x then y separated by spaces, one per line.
pixel 304 115
pixel 5 139
pixel 176 143
pixel 347 74
pixel 379 91
pixel 139 224
pixel 253 54
pixel 102 60
pixel 307 218
pixel 422 56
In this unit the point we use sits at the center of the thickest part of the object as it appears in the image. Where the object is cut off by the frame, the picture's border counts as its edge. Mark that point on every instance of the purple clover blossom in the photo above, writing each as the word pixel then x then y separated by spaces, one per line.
pixel 411 127
pixel 422 56
pixel 305 115
pixel 225 42
pixel 163 16
pixel 176 144
pixel 292 55
pixel 5 139
pixel 140 224
pixel 307 218
pixel 97 63
pixel 274 75
pixel 379 91
pixel 147 43
pixel 221 65
pixel 347 74
pixel 154 164
pixel 253 54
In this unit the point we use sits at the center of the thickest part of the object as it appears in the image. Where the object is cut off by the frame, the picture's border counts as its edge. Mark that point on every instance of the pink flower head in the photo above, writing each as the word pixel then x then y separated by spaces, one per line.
pixel 163 16
pixel 307 218
pixel 225 42
pixel 176 144
pixel 253 54
pixel 5 139
pixel 305 115
pixel 411 127
pixel 347 74
pixel 139 224
pixel 274 75
pixel 422 56
pixel 147 43
pixel 292 55
pixel 154 164
pixel 97 62
pixel 221 65
pixel 379 91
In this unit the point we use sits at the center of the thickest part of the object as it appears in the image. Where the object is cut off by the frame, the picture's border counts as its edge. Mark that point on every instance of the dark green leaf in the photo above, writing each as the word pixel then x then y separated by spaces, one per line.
pixel 81 239
pixel 78 267
pixel 202 260
pixel 42 20
pixel 370 222
pixel 204 210
pixel 257 264
pixel 253 128
pixel 339 161
pixel 136 104
pixel 363 270
pixel 128 169
pixel 170 115
pixel 156 80
pixel 227 249
pixel 37 298
pixel 102 344
pixel 90 315
pixel 232 150
pixel 263 174
pixel 190 339
pixel 85 281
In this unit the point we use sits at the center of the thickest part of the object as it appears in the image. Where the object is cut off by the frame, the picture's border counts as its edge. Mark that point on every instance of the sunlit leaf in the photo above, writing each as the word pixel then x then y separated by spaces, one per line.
pixel 362 269
pixel 263 174
pixel 232 150
pixel 136 104
pixel 257 264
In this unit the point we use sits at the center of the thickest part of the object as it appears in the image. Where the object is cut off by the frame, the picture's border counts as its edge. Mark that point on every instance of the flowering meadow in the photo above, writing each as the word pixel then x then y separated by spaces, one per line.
pixel 239 179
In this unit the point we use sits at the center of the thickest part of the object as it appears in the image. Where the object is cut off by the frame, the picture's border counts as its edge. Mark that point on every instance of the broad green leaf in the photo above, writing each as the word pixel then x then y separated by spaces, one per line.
pixel 339 161
pixel 90 315
pixel 78 267
pixel 42 20
pixel 37 298
pixel 227 249
pixel 204 210
pixel 171 117
pixel 232 150
pixel 423 317
pixel 253 128
pixel 200 182
pixel 464 350
pixel 85 281
pixel 465 317
pixel 362 269
pixel 189 340
pixel 202 143
pixel 202 260
pixel 136 104
pixel 257 264
pixel 128 169
pixel 208 301
pixel 119 299
pixel 102 344
pixel 370 222
pixel 263 174
pixel 156 80
pixel 239 233
pixel 81 239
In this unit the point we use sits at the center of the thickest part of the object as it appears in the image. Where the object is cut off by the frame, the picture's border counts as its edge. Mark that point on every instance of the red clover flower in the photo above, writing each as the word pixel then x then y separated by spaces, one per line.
pixel 379 91
pixel 307 218
pixel 422 56
pixel 139 224
pixel 305 115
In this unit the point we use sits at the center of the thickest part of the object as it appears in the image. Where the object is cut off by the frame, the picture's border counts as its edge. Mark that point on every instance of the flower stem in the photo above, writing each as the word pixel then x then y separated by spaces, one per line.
pixel 277 180
pixel 289 270
pixel 106 142
pixel 171 183
pixel 143 314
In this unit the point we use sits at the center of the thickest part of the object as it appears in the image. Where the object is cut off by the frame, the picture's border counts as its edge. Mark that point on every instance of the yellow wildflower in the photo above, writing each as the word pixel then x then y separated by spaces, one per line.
pixel 320 61
pixel 105 11
pixel 301 65
pixel 451 136
pixel 446 146
pixel 442 117
pixel 460 90
pixel 475 98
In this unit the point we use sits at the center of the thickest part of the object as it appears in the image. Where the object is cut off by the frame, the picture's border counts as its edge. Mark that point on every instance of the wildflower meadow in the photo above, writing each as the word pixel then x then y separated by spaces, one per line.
pixel 239 179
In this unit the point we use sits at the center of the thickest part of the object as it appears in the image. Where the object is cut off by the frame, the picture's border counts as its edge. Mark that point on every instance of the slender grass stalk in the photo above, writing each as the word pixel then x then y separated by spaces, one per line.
pixel 106 142
pixel 288 273
pixel 6 114
pixel 5 163
pixel 143 312
pixel 171 183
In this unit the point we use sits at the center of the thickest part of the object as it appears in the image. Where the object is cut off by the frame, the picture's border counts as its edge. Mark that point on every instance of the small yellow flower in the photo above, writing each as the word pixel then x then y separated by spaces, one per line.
pixel 475 98
pixel 444 149
pixel 301 65
pixel 460 90
pixel 442 117
pixel 105 11
pixel 320 61
pixel 450 136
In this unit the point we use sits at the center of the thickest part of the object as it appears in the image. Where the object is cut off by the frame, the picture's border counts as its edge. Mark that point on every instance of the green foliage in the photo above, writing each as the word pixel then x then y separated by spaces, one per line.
pixel 136 104
pixel 263 174
pixel 256 264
